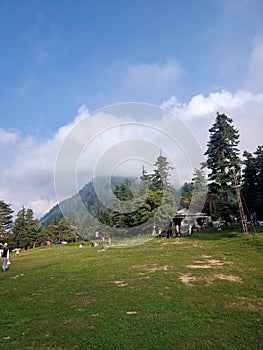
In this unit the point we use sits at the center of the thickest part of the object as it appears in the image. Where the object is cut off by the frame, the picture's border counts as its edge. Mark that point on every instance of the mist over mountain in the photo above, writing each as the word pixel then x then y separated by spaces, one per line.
pixel 82 208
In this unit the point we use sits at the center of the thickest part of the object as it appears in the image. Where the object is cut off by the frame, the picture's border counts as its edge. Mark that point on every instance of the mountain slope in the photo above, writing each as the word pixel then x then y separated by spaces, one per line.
pixel 78 207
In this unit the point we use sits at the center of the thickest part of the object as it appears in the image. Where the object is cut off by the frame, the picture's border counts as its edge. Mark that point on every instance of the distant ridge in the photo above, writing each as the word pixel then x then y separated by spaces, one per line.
pixel 75 213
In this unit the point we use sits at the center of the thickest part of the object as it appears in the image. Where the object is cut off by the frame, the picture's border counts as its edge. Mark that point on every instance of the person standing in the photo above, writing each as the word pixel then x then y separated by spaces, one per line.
pixel 5 257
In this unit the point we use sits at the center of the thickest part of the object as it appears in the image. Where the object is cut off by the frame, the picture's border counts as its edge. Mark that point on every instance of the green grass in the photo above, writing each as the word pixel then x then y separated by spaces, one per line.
pixel 63 297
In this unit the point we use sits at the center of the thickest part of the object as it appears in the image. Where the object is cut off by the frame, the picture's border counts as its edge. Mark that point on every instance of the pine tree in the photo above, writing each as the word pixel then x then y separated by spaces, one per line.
pixel 223 160
pixel 160 176
pixel 26 228
pixel 19 228
pixel 186 195
pixel 142 203
pixel 252 184
pixel 162 200
pixel 145 177
pixel 199 186
pixel 259 179
pixel 61 231
pixel 6 217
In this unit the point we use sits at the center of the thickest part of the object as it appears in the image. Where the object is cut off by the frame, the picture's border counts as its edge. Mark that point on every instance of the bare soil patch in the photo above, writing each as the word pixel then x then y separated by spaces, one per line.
pixel 190 280
pixel 150 269
pixel 120 283
pixel 208 263
pixel 251 303
pixel 177 241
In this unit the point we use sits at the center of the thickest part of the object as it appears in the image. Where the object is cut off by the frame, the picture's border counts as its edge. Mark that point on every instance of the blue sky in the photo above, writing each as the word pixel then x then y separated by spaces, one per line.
pixel 192 57
pixel 57 55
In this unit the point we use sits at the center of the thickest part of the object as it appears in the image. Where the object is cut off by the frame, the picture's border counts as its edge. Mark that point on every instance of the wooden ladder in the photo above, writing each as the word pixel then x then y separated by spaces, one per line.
pixel 240 205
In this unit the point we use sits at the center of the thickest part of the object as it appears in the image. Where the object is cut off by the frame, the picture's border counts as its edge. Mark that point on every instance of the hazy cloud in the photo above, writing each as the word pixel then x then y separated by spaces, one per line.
pixel 150 81
pixel 255 66
pixel 27 168
pixel 7 138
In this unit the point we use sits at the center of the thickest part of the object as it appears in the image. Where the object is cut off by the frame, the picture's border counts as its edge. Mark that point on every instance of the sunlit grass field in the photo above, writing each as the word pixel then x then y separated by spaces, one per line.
pixel 199 292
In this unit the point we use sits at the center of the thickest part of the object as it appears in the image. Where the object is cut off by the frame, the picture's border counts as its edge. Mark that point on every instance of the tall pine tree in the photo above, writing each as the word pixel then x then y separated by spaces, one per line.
pixel 252 184
pixel 160 176
pixel 223 161
pixel 199 191
pixel 26 228
pixel 6 217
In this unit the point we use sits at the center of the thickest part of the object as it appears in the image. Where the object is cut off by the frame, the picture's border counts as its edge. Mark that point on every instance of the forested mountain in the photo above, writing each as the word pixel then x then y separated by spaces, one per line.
pixel 123 206
pixel 76 207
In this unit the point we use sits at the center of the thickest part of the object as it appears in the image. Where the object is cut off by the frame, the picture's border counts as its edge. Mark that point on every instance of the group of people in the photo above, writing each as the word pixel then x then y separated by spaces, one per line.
pixel 97 244
pixel 5 257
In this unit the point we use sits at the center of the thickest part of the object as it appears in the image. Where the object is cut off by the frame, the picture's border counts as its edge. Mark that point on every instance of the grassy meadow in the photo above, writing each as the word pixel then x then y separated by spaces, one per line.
pixel 199 292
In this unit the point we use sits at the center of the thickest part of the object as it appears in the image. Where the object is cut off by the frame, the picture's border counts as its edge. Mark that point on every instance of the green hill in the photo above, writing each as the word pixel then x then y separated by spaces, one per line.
pixel 76 208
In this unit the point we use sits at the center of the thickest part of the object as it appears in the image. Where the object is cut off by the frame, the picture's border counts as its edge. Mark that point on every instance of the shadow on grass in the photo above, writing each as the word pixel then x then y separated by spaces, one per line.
pixel 253 239
pixel 206 234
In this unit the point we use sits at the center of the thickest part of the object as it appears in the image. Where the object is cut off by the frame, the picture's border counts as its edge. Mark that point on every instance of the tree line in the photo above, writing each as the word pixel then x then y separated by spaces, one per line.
pixel 152 200
pixel 25 231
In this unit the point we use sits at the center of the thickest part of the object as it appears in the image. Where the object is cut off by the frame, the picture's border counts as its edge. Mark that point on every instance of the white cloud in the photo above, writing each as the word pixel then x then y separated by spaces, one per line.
pixel 143 75
pixel 41 206
pixel 27 168
pixel 244 107
pixel 7 138
pixel 150 81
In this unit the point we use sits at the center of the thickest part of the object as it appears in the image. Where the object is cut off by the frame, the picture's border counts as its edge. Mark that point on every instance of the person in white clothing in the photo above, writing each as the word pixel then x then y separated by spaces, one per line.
pixel 5 257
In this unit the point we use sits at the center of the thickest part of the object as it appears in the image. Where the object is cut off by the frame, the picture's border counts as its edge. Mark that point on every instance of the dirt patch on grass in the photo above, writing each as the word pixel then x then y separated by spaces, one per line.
pixel 208 263
pixel 199 266
pixel 157 268
pixel 150 269
pixel 190 280
pixel 104 249
pixel 119 283
pixel 176 241
pixel 251 303
pixel 17 276
pixel 230 278
pixel 197 245
pixel 181 241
